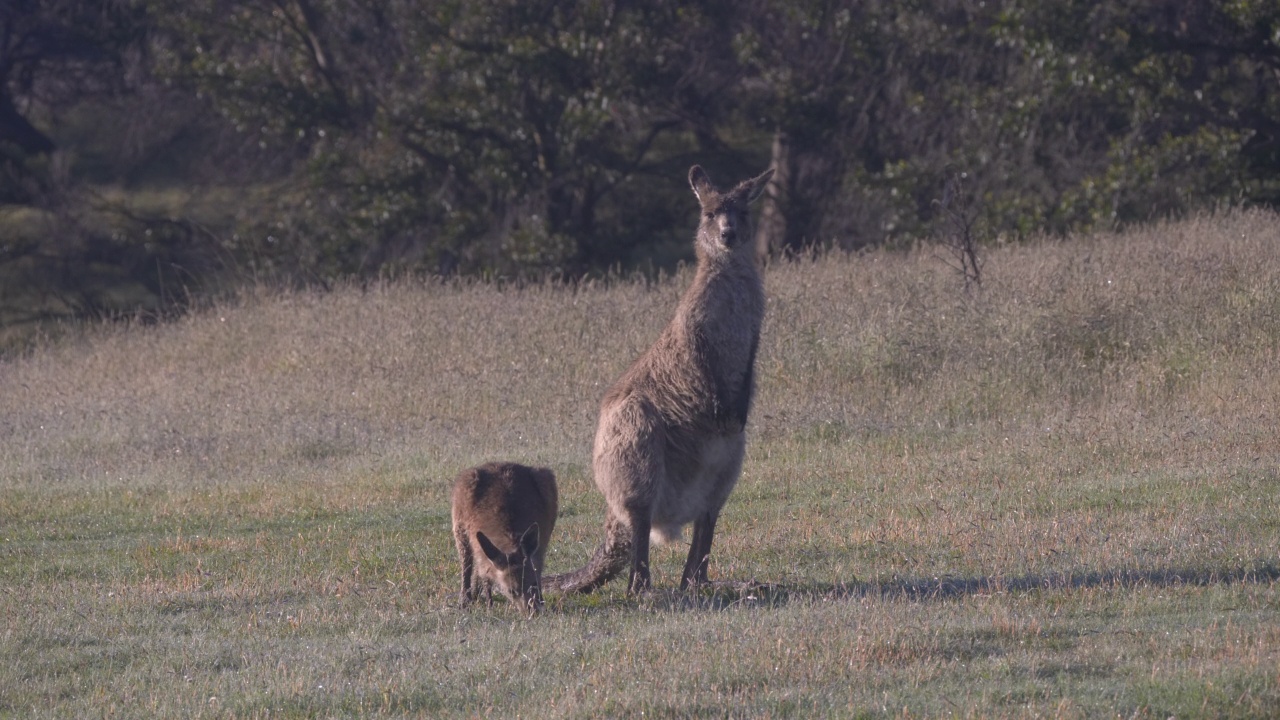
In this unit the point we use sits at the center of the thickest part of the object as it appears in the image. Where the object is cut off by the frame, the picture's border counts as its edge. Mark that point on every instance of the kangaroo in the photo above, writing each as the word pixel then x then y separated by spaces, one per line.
pixel 503 516
pixel 671 436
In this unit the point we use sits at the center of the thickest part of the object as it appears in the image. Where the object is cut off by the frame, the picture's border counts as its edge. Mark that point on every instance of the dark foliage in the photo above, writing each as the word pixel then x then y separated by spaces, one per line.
pixel 309 140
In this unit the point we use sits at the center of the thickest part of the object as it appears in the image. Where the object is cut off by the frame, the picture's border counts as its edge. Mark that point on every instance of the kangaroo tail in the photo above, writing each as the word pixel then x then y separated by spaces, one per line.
pixel 609 559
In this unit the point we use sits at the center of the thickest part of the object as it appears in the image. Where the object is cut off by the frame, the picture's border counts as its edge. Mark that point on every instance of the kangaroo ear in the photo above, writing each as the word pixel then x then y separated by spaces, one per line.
pixel 700 183
pixel 491 551
pixel 529 541
pixel 757 184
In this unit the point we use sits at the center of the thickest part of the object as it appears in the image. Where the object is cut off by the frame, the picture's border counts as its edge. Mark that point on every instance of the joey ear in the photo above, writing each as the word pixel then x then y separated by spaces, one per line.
pixel 491 551
pixel 529 541
pixel 757 185
pixel 700 183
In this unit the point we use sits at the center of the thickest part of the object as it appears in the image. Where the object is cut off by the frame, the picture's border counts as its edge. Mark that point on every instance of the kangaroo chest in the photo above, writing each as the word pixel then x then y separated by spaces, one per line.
pixel 723 330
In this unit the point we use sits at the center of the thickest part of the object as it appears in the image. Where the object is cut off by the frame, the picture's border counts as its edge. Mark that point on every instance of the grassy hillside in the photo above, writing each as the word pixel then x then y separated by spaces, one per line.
pixel 1056 495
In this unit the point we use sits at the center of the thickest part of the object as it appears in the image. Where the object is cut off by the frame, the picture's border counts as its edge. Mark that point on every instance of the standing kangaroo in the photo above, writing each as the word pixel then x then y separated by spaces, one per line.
pixel 503 515
pixel 671 436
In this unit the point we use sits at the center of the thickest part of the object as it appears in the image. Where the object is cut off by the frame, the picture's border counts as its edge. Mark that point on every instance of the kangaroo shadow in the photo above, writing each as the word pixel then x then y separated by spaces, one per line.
pixel 728 594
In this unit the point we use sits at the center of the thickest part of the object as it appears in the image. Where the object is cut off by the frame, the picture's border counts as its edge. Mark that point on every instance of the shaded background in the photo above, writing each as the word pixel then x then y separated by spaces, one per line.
pixel 154 152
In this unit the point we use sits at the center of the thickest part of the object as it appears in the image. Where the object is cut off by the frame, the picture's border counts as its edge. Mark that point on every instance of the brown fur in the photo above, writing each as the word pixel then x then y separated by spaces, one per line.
pixel 503 516
pixel 670 441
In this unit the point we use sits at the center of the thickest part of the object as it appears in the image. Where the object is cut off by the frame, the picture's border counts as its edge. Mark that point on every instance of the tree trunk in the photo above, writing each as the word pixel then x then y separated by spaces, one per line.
pixel 771 230
pixel 16 129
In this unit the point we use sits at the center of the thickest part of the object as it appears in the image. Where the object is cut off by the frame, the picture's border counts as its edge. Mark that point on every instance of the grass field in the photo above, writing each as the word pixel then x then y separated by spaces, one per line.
pixel 1057 495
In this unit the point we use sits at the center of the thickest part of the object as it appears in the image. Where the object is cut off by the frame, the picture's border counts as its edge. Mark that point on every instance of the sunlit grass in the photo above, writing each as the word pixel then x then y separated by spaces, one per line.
pixel 1055 495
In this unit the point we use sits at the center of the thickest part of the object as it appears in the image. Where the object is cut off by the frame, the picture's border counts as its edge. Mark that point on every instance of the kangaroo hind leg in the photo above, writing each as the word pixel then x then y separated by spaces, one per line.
pixel 640 577
pixel 695 568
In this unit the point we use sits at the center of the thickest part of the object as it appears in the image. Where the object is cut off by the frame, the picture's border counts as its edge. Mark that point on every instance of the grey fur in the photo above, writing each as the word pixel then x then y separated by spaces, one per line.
pixel 671 436
pixel 503 517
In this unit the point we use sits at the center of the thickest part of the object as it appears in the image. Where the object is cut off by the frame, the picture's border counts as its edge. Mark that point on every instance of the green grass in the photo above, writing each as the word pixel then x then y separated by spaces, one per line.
pixel 1058 495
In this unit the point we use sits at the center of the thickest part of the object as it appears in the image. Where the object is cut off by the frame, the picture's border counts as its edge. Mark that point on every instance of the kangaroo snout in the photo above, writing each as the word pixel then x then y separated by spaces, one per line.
pixel 728 229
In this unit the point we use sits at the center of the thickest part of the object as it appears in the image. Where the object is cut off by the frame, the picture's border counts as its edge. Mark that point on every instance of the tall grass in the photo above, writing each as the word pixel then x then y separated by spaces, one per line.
pixel 1056 494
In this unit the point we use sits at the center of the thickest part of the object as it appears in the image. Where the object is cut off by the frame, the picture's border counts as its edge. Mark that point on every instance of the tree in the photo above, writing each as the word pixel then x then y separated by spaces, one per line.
pixel 501 137
pixel 1203 81
pixel 495 135
pixel 52 53
pixel 1063 115
pixel 81 116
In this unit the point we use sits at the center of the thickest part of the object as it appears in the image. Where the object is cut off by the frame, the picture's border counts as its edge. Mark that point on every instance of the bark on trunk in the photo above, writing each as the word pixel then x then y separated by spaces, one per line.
pixel 16 129
pixel 771 230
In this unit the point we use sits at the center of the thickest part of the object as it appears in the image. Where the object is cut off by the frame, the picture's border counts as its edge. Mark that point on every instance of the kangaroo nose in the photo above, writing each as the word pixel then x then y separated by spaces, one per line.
pixel 727 230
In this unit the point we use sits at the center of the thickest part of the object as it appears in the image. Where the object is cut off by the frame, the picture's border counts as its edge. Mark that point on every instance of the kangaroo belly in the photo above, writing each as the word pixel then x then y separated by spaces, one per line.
pixel 697 481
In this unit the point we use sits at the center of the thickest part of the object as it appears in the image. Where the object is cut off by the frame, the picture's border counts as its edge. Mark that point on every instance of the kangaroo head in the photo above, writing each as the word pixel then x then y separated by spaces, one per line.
pixel 725 222
pixel 518 575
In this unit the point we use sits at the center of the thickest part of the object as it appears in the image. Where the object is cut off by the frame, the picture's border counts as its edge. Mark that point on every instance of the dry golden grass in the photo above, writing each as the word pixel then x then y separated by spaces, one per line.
pixel 1056 495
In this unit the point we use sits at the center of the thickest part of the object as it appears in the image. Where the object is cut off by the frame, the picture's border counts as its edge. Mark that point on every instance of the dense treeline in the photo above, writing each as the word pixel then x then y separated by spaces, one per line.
pixel 149 148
